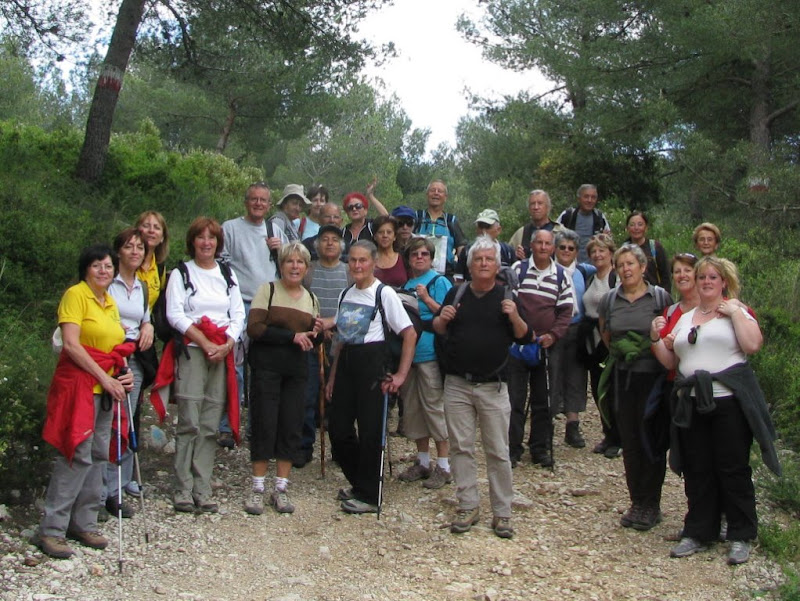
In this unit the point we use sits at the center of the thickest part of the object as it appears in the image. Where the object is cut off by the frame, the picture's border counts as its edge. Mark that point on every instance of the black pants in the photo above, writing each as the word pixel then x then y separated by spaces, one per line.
pixel 357 398
pixel 643 476
pixel 541 433
pixel 715 454
pixel 610 431
pixel 276 414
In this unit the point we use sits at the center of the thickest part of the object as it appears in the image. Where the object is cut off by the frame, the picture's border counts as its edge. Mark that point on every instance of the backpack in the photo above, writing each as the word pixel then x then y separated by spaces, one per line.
pixel 421 215
pixel 161 325
pixel 570 218
pixel 661 299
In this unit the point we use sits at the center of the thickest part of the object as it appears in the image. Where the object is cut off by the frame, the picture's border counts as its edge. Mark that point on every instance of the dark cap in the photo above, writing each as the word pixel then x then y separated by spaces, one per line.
pixel 329 229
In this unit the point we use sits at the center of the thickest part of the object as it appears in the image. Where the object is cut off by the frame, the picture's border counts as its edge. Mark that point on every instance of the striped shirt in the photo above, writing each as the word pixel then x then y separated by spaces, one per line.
pixel 546 306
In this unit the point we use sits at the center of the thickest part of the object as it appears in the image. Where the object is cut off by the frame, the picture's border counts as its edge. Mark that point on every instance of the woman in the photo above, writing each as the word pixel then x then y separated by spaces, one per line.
pixel 406 219
pixel 308 227
pixel 632 379
pixel 706 238
pixel 131 296
pixel 356 205
pixel 717 408
pixel 210 316
pixel 423 403
pixel 591 349
pixel 683 276
pixel 153 271
pixel 568 373
pixel 389 267
pixel 657 266
pixel 290 206
pixel 79 414
pixel 282 327
pixel 359 380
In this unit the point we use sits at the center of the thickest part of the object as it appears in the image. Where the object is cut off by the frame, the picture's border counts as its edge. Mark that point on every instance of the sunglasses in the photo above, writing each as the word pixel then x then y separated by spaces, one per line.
pixel 565 247
pixel 355 206
pixel 421 253
pixel 693 335
pixel 405 222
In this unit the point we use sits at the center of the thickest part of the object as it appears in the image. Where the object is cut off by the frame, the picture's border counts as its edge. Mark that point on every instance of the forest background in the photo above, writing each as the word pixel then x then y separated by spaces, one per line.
pixel 685 109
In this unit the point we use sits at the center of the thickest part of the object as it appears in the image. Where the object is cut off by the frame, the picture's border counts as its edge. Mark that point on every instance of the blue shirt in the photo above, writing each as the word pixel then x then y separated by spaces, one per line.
pixel 438 290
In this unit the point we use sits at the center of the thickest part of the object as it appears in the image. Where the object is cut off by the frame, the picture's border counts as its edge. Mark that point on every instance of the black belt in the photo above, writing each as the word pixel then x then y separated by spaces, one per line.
pixel 479 379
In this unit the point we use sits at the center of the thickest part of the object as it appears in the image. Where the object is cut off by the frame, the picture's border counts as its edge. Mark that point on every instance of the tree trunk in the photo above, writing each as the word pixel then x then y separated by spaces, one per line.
pixel 225 134
pixel 760 111
pixel 106 93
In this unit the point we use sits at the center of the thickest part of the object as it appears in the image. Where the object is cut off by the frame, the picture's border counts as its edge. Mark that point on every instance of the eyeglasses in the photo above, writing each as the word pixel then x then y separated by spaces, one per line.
pixel 693 334
pixel 256 201
pixel 565 247
pixel 354 206
pixel 421 254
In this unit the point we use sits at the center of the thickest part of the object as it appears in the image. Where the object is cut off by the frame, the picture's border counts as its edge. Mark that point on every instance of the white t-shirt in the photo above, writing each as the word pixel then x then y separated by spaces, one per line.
pixel 715 349
pixel 356 307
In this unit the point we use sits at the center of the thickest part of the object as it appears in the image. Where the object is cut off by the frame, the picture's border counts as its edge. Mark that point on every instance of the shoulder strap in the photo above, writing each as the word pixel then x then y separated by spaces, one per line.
pixel 597 221
pixel 559 276
pixel 227 274
pixel 661 298
pixel 527 232
pixel 570 218
pixel 187 281
pixel 145 294
pixel 161 269
pixel 302 227
pixel 523 270
pixel 612 278
pixel 272 252
pixel 271 294
pixel 344 292
pixel 460 291
pixel 430 285
pixel 582 269
pixel 419 216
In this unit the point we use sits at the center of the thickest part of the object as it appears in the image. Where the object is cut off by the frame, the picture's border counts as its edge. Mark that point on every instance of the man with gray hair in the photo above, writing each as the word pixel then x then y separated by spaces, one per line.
pixel 585 219
pixel 539 207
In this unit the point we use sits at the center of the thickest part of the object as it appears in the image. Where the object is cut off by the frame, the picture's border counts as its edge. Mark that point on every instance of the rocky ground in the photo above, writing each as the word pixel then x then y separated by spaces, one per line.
pixel 568 544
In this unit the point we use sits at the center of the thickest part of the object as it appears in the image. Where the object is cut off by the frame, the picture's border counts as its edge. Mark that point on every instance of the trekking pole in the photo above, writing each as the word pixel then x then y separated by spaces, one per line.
pixel 321 359
pixel 119 484
pixel 549 404
pixel 383 451
pixel 133 444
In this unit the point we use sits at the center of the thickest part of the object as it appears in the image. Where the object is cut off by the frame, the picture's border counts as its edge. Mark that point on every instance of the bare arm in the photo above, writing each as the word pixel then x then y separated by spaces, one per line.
pixel 373 200
pixel 748 333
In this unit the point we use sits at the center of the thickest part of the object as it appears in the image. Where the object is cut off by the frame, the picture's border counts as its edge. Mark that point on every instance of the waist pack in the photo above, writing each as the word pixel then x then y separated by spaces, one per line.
pixel 530 353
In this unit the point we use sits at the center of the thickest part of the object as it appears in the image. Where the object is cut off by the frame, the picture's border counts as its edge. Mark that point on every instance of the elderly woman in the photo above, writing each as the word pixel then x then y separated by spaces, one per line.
pixel 717 410
pixel 356 205
pixel 79 415
pixel 359 377
pixel 282 328
pixel 591 349
pixel 706 238
pixel 423 404
pixel 131 296
pixel 389 267
pixel 657 266
pixel 205 306
pixel 568 373
pixel 634 379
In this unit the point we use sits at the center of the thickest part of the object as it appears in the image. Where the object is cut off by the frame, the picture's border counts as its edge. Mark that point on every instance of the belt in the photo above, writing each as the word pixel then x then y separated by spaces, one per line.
pixel 479 379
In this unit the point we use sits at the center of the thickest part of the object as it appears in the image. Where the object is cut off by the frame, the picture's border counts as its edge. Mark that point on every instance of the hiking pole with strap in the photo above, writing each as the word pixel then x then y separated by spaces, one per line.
pixel 321 359
pixel 133 444
pixel 546 353
pixel 119 477
pixel 383 451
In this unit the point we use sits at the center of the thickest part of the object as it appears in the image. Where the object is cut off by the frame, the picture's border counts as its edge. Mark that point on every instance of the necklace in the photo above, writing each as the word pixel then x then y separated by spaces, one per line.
pixel 704 312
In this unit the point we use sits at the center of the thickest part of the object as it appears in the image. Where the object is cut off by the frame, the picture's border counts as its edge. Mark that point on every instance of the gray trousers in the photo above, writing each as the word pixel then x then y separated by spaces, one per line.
pixel 467 405
pixel 74 493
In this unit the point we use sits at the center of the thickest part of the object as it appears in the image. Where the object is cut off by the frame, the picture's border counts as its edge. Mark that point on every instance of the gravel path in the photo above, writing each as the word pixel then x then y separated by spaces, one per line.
pixel 568 544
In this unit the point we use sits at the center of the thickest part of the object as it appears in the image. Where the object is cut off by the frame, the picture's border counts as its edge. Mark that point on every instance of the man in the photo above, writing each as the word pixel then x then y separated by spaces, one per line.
pixel 545 297
pixel 585 219
pixel 251 248
pixel 327 276
pixel 480 323
pixel 329 214
pixel 539 207
pixel 487 223
pixel 290 206
pixel 437 224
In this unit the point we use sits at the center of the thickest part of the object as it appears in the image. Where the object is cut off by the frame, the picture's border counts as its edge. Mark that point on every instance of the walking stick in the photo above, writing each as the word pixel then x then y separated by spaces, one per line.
pixel 119 485
pixel 383 451
pixel 321 359
pixel 133 443
pixel 549 404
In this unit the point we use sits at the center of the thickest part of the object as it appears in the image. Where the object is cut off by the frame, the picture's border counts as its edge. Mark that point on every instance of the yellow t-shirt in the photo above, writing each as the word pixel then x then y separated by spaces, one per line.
pixel 100 326
pixel 152 278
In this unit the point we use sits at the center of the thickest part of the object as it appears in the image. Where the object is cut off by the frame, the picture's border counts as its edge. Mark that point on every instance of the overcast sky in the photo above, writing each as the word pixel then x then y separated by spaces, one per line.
pixel 436 65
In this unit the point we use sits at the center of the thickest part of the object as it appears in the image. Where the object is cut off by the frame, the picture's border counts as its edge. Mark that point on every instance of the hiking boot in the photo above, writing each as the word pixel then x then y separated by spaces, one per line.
pixel 414 473
pixel 208 507
pixel 279 499
pixel 543 458
pixel 600 447
pixel 688 546
pixel 573 436
pixel 112 505
pixel 183 506
pixel 502 527
pixel 438 478
pixel 225 440
pixel 356 506
pixel 133 489
pixel 612 451
pixel 629 517
pixel 464 520
pixel 54 546
pixel 95 540
pixel 255 504
pixel 649 518
pixel 345 494
pixel 739 552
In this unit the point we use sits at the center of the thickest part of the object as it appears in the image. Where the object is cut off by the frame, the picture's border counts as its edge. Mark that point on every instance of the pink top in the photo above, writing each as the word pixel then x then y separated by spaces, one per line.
pixel 394 276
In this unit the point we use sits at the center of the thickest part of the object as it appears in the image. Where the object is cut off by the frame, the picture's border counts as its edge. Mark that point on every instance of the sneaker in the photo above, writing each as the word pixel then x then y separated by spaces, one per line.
pixel 688 546
pixel 649 518
pixel 612 451
pixel 95 540
pixel 573 436
pixel 133 489
pixel 356 506
pixel 414 473
pixel 465 519
pixel 183 506
pixel 739 552
pixel 279 499
pixel 255 504
pixel 208 507
pixel 345 494
pixel 438 478
pixel 113 505
pixel 502 527
pixel 543 458
pixel 629 517
pixel 225 440
pixel 54 546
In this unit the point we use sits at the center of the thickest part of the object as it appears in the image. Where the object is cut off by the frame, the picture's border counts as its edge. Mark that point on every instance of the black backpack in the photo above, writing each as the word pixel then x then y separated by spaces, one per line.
pixel 570 218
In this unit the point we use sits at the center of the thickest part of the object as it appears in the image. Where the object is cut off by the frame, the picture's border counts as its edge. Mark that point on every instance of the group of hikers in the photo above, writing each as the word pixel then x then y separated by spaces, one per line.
pixel 484 335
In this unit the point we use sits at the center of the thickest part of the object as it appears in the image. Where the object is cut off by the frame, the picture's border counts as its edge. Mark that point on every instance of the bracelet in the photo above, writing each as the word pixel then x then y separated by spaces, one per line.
pixel 656 341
